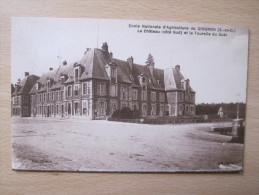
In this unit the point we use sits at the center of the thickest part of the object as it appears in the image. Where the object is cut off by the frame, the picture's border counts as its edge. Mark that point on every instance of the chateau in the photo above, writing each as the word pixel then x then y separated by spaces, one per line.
pixel 99 84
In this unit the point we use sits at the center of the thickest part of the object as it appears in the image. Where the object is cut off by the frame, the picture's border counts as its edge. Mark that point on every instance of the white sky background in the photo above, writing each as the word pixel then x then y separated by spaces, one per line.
pixel 216 66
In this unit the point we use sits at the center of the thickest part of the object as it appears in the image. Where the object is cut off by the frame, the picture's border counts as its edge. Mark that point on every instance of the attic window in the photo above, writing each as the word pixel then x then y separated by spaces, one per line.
pixel 158 82
pixel 62 79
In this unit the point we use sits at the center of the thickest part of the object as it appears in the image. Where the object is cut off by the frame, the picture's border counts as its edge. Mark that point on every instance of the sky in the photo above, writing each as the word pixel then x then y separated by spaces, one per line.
pixel 215 65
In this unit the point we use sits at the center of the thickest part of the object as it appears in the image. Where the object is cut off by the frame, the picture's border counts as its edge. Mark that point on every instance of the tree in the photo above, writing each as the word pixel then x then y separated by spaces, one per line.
pixel 150 59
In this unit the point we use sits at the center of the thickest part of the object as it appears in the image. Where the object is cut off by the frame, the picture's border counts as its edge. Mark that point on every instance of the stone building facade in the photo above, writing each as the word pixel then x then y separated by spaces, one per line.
pixel 21 102
pixel 99 84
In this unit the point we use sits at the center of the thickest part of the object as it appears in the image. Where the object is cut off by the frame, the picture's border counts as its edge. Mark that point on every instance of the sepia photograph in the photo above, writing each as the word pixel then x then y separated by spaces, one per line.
pixel 102 95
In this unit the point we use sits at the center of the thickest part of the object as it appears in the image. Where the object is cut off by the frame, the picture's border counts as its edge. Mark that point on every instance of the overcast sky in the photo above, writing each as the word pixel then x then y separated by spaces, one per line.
pixel 215 65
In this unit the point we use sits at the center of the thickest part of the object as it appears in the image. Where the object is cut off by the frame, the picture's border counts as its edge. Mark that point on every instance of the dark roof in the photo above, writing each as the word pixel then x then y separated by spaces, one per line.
pixel 131 75
pixel 93 65
pixel 173 79
pixel 25 86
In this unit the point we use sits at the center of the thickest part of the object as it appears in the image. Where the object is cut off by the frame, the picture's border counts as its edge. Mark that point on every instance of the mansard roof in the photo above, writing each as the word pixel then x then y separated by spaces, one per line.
pixel 173 80
pixel 93 65
pixel 132 74
pixel 25 85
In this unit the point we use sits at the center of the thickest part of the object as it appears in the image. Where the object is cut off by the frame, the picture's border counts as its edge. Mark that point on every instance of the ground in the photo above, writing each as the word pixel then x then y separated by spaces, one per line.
pixel 85 145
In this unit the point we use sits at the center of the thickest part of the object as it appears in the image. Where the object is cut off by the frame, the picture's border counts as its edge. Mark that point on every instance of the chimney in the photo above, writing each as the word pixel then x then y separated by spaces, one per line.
pixel 177 67
pixel 64 63
pixel 50 69
pixel 187 81
pixel 130 61
pixel 105 47
pixel 26 73
pixel 87 49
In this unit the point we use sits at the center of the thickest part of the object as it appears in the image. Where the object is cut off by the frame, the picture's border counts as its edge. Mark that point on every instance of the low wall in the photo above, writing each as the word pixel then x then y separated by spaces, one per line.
pixel 162 120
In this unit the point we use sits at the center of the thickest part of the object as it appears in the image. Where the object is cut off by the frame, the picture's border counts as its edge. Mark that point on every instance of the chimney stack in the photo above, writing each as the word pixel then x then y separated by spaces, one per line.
pixel 50 69
pixel 26 73
pixel 177 67
pixel 130 61
pixel 64 63
pixel 105 47
pixel 87 49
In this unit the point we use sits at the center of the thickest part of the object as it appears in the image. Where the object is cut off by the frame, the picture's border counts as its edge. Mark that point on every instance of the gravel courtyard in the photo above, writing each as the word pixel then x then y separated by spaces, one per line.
pixel 84 145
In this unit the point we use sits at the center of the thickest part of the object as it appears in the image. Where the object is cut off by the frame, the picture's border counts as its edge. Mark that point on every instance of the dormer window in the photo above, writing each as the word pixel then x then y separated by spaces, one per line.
pixel 111 70
pixel 49 83
pixel 113 73
pixel 142 80
pixel 77 71
pixel 63 78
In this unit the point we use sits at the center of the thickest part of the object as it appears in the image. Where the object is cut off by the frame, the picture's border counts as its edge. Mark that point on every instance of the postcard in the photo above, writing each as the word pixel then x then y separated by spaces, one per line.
pixel 102 95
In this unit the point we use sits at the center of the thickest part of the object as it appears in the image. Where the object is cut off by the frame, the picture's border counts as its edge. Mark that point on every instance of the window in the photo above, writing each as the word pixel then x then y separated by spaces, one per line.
pixel 113 72
pixel 135 106
pixel 57 110
pixel 76 107
pixel 124 92
pixel 135 94
pixel 44 97
pixel 52 95
pixel 69 108
pixel 76 90
pixel 113 90
pixel 101 90
pixel 76 72
pixel 69 91
pixel 161 110
pixel 57 95
pixel 144 95
pixel 123 105
pixel 101 107
pixel 180 96
pixel 85 107
pixel 143 80
pixel 144 110
pixel 86 88
pixel 49 84
pixel 153 110
pixel 161 97
pixel 62 95
pixel 153 96
pixel 62 80
pixel 113 106
pixel 48 96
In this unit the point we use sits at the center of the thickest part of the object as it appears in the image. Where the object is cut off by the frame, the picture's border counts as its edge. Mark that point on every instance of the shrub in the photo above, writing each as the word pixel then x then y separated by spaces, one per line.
pixel 125 113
